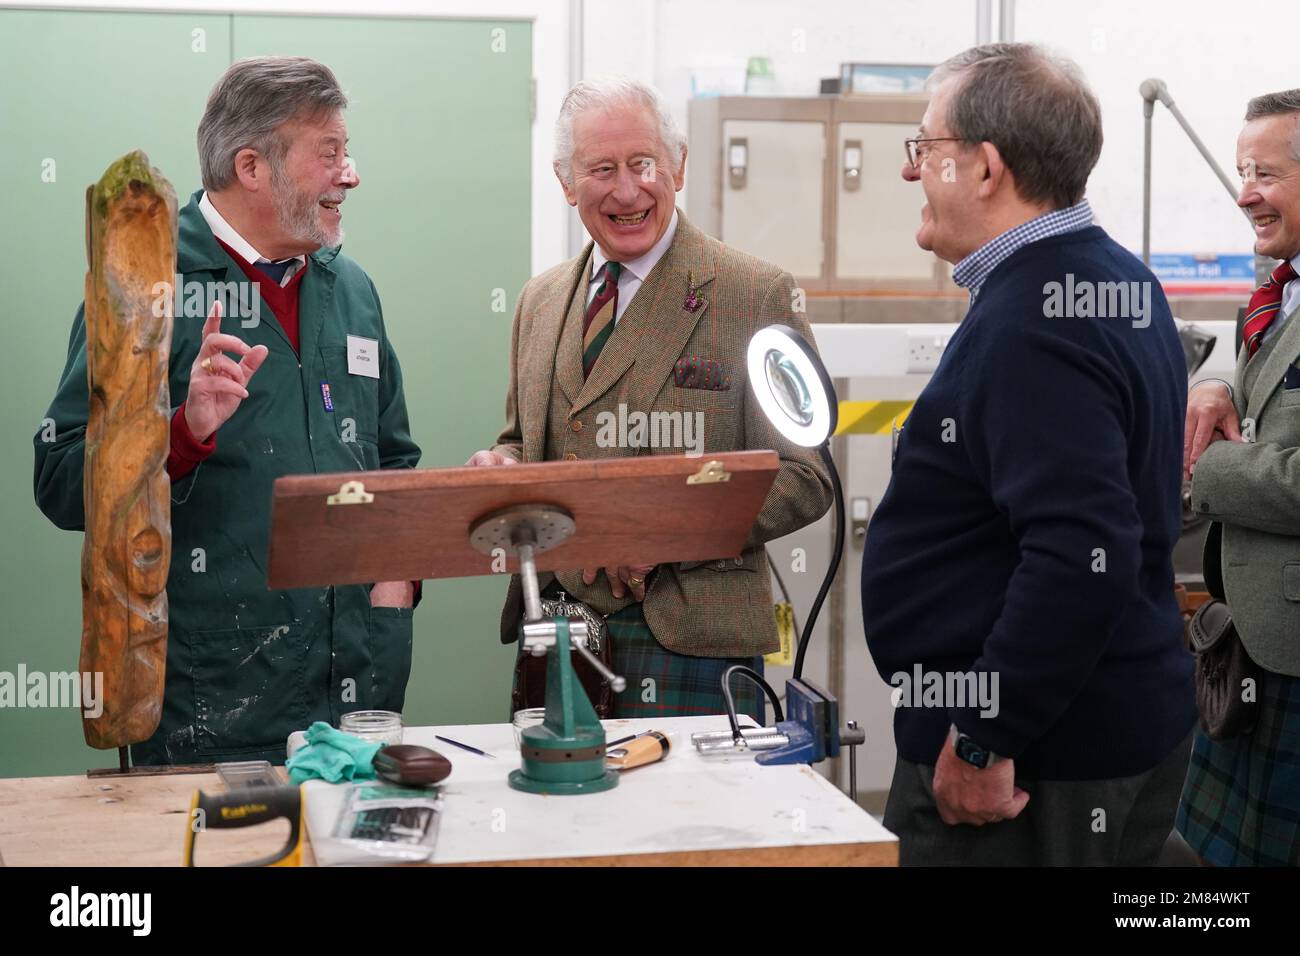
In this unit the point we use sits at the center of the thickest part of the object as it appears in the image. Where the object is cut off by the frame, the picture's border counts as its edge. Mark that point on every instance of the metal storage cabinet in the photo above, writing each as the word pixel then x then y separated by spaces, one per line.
pixel 770 207
pixel 813 184
pixel 876 212
pixel 757 178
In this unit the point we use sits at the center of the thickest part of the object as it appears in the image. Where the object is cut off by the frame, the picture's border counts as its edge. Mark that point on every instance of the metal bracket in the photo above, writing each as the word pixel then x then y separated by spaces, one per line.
pixel 711 473
pixel 351 493
pixel 543 526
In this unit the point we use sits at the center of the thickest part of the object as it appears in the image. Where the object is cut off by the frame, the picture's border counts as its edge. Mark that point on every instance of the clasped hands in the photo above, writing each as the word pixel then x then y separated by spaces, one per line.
pixel 1211 417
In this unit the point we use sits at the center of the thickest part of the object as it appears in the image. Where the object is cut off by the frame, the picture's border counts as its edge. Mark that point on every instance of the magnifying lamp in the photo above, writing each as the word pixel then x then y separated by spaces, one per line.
pixel 796 394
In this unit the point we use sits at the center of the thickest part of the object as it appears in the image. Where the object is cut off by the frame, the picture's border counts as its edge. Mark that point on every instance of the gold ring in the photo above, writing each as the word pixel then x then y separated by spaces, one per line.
pixel 636 582
pixel 206 364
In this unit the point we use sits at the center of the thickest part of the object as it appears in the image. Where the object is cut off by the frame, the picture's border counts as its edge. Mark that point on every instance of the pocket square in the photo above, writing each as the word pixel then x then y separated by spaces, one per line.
pixel 694 372
pixel 1292 379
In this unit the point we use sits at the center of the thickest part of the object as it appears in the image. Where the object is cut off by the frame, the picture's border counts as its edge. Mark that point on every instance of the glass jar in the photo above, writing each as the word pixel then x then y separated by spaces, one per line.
pixel 524 719
pixel 378 726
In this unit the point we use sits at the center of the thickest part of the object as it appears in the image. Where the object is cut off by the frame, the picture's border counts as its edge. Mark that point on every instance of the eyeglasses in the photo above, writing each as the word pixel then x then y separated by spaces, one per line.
pixel 914 155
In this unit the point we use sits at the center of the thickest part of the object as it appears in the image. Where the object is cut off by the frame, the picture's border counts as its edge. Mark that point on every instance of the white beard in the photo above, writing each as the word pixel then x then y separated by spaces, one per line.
pixel 299 213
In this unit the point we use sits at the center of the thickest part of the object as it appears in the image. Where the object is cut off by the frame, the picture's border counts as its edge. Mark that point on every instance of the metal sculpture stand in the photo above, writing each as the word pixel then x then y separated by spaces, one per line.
pixel 565 754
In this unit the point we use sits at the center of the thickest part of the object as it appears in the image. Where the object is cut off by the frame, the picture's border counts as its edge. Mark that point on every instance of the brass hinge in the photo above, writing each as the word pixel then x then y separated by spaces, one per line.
pixel 710 474
pixel 352 493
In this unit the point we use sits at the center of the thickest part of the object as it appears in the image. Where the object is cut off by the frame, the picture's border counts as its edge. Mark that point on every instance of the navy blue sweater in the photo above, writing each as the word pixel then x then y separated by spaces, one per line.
pixel 1028 527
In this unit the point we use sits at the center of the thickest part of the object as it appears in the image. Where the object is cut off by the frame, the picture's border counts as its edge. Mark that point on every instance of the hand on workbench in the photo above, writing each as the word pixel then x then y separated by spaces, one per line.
pixel 217 387
pixel 393 594
pixel 966 794
pixel 1211 416
pixel 628 577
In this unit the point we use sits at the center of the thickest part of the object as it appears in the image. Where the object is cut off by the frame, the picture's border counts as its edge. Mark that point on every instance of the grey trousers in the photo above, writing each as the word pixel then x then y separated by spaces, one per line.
pixel 1122 821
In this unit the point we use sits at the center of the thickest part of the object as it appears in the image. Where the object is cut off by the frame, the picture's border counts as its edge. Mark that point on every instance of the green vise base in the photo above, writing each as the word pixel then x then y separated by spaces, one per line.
pixel 565 754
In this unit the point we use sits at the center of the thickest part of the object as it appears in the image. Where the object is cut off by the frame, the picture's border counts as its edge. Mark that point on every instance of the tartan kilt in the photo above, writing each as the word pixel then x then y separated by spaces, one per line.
pixel 1241 799
pixel 683 686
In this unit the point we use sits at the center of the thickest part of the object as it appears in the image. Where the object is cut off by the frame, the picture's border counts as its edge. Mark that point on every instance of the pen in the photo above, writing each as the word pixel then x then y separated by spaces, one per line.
pixel 457 743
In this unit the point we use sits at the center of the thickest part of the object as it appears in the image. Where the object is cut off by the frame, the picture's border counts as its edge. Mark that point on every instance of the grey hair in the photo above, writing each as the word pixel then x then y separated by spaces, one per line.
pixel 602 92
pixel 1277 104
pixel 1036 108
pixel 249 104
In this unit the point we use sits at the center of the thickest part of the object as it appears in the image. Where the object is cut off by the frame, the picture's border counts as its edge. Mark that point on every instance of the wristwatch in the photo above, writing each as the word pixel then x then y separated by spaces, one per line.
pixel 971 752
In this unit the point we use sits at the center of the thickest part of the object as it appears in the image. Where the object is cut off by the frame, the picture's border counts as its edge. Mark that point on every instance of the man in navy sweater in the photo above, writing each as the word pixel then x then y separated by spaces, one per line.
pixel 1017 583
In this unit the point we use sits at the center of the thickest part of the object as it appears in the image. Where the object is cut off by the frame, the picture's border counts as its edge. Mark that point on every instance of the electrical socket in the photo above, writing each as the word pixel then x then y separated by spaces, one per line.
pixel 924 349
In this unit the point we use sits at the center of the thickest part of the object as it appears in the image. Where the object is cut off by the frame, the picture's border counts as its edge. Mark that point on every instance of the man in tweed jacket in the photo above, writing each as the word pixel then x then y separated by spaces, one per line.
pixel 653 316
pixel 1241 800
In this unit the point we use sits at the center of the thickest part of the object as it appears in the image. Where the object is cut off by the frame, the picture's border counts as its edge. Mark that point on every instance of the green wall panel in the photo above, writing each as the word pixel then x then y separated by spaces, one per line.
pixel 440 128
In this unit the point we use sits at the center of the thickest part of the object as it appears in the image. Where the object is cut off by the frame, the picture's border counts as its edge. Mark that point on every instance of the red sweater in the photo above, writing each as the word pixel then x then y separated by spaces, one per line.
pixel 187 451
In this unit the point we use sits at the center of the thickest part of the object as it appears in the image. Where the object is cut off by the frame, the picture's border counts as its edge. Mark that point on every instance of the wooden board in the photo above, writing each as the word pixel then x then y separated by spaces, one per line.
pixel 124 821
pixel 626 510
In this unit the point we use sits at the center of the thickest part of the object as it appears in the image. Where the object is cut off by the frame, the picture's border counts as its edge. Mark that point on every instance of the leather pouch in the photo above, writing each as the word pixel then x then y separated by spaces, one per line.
pixel 530 672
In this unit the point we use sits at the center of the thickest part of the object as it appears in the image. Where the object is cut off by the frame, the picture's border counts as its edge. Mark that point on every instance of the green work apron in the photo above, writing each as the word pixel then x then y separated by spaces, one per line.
pixel 246 666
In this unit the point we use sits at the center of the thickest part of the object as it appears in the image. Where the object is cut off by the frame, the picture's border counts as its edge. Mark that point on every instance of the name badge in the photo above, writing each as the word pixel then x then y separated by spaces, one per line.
pixel 363 356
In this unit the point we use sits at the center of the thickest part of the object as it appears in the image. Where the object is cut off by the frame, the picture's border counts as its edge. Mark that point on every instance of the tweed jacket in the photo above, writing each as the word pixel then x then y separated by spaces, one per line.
pixel 1253 489
pixel 716 608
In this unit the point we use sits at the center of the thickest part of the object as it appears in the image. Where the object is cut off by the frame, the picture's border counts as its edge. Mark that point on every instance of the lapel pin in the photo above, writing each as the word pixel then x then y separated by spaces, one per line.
pixel 692 296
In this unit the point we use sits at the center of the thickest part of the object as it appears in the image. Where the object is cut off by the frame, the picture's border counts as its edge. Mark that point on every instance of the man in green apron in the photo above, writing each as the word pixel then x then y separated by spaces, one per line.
pixel 280 364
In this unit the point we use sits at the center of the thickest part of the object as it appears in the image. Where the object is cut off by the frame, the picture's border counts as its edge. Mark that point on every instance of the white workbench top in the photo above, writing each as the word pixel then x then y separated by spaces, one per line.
pixel 685 802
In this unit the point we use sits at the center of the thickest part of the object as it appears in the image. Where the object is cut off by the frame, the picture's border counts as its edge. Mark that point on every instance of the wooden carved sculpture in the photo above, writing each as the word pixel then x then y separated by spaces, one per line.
pixel 131 253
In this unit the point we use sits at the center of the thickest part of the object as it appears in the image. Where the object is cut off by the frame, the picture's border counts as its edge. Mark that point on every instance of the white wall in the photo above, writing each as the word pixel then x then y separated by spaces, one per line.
pixel 1212 60
pixel 1212 57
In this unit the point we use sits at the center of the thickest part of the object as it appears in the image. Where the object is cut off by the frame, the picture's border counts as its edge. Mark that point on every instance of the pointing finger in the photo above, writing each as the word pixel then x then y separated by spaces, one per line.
pixel 212 324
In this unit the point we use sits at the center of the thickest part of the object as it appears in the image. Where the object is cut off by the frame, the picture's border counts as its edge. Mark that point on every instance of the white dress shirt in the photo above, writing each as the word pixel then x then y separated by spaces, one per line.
pixel 226 233
pixel 1290 298
pixel 634 272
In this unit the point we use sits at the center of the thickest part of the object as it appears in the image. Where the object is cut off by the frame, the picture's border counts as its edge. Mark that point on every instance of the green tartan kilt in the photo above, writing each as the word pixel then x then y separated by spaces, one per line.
pixel 1241 799
pixel 661 683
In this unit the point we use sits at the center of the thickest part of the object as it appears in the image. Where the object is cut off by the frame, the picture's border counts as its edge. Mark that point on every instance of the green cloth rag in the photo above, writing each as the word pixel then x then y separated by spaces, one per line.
pixel 333 756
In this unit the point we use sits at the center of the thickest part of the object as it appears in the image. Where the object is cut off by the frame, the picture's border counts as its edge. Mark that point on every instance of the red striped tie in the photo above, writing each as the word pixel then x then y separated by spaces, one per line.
pixel 598 323
pixel 1264 307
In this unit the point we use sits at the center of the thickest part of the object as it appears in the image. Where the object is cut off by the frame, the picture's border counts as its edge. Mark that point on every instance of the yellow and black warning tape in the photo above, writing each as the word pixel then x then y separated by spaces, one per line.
pixel 872 418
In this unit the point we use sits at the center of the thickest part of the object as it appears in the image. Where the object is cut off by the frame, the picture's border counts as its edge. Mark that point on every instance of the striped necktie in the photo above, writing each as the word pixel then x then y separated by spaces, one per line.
pixel 1264 307
pixel 598 324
